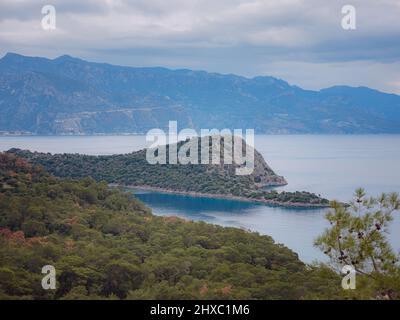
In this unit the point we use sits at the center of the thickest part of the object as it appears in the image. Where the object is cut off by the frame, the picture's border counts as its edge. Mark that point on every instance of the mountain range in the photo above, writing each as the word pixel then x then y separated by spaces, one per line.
pixel 68 95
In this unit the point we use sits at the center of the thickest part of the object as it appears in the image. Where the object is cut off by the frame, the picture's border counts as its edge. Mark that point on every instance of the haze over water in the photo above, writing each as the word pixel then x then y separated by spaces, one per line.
pixel 330 165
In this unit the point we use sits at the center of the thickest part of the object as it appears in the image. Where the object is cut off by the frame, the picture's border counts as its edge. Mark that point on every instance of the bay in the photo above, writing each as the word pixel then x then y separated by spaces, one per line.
pixel 330 165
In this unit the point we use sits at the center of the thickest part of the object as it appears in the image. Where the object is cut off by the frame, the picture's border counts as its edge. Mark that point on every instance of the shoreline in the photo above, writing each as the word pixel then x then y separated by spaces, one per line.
pixel 271 203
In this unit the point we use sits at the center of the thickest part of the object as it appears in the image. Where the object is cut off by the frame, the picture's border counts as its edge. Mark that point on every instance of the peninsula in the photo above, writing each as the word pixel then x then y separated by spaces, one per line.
pixel 210 180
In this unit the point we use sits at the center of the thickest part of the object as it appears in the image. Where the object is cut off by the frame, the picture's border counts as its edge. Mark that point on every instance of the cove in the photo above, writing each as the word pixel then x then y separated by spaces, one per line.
pixel 296 228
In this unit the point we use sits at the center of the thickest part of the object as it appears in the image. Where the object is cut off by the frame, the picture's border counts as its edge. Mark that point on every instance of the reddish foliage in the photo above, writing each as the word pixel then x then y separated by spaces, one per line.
pixel 17 237
pixel 13 165
pixel 69 244
pixel 172 219
pixel 71 221
pixel 36 241
pixel 22 164
pixel 226 290
pixel 203 290
pixel 5 233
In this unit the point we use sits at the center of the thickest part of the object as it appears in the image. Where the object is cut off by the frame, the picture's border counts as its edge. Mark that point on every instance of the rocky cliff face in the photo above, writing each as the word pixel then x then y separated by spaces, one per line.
pixel 263 175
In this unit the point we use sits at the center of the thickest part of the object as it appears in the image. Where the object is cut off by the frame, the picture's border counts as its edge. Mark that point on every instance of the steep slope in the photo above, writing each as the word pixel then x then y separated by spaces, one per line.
pixel 72 96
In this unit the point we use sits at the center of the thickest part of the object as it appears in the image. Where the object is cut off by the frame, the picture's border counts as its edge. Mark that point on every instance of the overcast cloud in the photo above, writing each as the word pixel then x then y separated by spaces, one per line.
pixel 300 41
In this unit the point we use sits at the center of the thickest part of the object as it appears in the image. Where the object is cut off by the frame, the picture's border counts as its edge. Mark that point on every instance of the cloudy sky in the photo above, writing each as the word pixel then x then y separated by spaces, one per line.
pixel 300 41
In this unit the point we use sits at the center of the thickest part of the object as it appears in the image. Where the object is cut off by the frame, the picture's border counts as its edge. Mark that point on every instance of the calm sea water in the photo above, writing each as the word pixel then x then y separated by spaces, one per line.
pixel 332 166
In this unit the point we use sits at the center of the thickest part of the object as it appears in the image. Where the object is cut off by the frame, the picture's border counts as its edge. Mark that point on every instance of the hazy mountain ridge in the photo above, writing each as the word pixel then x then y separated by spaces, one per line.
pixel 67 95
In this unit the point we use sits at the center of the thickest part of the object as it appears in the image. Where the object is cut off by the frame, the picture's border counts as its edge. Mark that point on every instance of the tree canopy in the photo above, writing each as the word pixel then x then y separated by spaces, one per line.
pixel 105 244
pixel 358 238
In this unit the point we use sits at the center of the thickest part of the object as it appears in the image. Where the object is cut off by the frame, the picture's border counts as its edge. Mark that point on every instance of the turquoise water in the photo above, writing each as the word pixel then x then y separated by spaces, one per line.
pixel 294 227
pixel 332 166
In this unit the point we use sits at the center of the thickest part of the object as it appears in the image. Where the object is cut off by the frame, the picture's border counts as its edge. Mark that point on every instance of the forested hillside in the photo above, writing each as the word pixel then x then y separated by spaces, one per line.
pixel 106 245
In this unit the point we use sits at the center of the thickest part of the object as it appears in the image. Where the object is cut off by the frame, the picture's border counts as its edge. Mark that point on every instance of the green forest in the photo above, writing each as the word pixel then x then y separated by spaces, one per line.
pixel 105 244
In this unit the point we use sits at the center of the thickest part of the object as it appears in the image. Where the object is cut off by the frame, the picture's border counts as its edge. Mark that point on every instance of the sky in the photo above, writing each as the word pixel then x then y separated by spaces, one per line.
pixel 300 41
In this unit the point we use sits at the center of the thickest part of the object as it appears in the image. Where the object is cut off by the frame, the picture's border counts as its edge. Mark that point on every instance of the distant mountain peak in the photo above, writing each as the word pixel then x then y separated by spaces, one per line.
pixel 344 89
pixel 12 55
pixel 66 57
pixel 16 57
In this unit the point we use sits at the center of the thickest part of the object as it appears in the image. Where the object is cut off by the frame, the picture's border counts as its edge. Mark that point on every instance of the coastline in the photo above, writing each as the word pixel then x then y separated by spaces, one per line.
pixel 271 203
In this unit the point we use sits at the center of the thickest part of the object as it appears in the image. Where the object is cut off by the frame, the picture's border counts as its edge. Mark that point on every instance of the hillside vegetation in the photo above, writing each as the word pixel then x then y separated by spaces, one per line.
pixel 105 244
